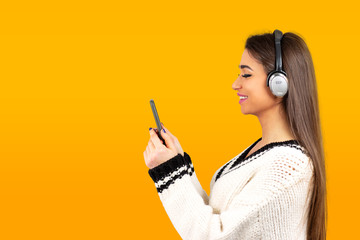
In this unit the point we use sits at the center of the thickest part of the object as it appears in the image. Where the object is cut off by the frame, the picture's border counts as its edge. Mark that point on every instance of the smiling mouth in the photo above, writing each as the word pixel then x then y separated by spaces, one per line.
pixel 242 99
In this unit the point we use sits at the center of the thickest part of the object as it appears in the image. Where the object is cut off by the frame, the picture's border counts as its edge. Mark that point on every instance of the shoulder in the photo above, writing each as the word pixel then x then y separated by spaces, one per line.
pixel 290 152
pixel 288 164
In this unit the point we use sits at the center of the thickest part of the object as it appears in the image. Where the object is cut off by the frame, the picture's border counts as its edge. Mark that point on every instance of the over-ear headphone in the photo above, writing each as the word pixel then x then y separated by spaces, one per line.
pixel 276 79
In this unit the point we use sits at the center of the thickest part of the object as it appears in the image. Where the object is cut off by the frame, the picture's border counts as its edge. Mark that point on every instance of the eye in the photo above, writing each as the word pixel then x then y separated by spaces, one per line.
pixel 245 75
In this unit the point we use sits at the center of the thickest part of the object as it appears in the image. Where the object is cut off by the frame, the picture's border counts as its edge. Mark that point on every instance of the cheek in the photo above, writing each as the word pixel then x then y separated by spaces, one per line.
pixel 266 95
pixel 259 93
pixel 262 98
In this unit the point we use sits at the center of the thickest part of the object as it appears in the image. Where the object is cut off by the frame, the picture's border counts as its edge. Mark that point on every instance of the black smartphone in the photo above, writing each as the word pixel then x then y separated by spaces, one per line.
pixel 157 120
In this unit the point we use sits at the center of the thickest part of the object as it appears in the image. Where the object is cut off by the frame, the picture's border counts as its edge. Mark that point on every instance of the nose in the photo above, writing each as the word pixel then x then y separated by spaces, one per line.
pixel 237 84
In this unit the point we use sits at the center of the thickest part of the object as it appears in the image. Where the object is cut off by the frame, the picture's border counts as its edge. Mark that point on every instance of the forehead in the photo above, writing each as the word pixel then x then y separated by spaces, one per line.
pixel 248 60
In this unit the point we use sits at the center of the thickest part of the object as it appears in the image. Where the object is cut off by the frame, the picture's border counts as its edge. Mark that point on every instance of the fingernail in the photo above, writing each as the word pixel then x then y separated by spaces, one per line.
pixel 150 129
pixel 164 130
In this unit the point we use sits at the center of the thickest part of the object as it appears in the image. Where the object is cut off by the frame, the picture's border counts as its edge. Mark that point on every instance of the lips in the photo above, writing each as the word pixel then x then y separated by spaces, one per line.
pixel 242 99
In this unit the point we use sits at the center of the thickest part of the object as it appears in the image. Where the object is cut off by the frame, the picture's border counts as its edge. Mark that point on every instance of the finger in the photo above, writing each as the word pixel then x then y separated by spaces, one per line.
pixel 145 156
pixel 167 131
pixel 168 139
pixel 151 146
pixel 156 130
pixel 155 139
pixel 147 153
pixel 157 133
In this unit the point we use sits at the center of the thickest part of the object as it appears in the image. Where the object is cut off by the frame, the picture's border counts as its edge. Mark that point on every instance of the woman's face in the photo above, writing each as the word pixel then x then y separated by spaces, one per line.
pixel 252 83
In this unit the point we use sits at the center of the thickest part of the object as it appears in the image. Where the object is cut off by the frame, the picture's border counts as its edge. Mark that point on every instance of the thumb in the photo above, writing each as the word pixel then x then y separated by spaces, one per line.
pixel 168 140
pixel 167 131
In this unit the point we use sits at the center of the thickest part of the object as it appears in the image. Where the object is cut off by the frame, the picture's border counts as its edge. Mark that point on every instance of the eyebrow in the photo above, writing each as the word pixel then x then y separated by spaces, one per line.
pixel 245 66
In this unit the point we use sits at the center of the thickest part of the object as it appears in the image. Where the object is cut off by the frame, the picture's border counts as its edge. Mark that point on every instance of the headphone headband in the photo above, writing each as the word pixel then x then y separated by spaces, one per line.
pixel 276 79
pixel 278 36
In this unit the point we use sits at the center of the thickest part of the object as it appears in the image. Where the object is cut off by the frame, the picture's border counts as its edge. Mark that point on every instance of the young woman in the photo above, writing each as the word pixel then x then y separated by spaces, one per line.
pixel 276 187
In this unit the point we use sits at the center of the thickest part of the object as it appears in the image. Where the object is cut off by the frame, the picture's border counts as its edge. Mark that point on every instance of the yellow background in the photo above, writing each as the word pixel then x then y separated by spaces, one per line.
pixel 76 80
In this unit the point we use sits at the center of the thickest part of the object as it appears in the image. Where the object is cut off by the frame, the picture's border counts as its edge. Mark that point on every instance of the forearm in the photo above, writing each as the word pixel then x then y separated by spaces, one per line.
pixel 183 198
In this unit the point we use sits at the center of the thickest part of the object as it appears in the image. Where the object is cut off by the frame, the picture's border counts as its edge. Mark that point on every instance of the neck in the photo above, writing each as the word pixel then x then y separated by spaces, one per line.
pixel 274 126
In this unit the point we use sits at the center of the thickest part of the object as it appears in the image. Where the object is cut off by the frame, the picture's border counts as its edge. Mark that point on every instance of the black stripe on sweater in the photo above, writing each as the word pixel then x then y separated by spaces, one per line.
pixel 173 179
pixel 239 161
pixel 160 172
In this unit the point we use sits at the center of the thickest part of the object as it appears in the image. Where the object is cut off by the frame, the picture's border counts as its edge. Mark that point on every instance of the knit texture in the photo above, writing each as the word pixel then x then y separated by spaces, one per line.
pixel 262 196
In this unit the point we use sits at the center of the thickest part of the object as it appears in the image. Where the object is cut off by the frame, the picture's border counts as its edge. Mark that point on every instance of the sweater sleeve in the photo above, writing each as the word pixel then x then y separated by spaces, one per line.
pixel 193 218
pixel 194 178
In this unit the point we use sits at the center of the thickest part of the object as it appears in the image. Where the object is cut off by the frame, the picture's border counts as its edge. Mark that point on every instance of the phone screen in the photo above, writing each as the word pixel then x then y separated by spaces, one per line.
pixel 157 119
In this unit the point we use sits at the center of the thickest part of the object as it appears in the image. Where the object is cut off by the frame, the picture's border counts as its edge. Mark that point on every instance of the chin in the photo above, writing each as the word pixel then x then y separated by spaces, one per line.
pixel 247 112
pixel 244 112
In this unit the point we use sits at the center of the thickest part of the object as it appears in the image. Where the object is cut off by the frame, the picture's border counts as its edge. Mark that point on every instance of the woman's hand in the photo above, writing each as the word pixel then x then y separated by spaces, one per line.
pixel 156 152
pixel 174 140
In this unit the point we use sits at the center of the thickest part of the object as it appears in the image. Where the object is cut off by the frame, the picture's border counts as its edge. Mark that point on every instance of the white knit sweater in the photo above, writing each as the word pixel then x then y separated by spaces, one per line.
pixel 260 197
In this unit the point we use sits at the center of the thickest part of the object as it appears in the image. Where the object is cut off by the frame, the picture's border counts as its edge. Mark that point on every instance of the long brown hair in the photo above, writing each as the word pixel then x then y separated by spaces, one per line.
pixel 302 112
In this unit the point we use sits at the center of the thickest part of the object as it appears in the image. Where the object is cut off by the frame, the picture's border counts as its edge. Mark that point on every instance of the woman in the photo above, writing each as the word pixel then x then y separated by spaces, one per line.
pixel 275 188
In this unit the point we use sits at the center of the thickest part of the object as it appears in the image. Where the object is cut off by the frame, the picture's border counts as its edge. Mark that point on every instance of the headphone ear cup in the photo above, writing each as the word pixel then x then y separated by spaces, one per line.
pixel 268 78
pixel 278 83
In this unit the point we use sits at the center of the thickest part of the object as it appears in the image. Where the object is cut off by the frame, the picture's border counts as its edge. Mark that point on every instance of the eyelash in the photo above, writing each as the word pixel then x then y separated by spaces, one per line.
pixel 245 75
